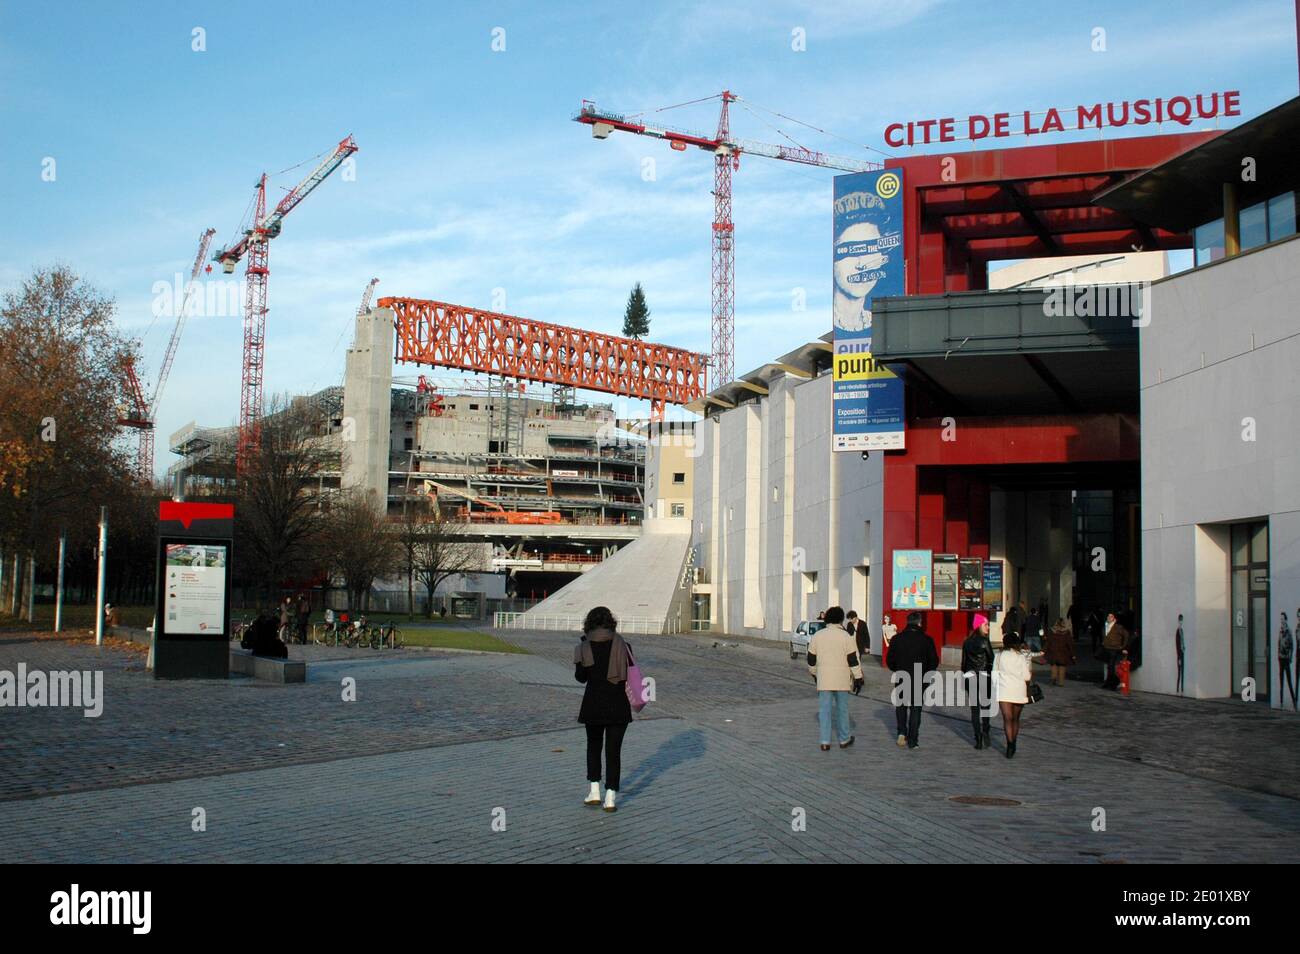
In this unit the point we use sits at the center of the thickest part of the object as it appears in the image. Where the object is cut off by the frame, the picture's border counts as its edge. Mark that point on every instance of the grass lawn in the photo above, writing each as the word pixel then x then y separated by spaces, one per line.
pixel 439 637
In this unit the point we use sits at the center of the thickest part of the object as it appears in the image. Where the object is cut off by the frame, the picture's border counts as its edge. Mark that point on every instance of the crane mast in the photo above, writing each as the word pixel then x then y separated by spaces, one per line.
pixel 727 151
pixel 366 296
pixel 143 414
pixel 254 248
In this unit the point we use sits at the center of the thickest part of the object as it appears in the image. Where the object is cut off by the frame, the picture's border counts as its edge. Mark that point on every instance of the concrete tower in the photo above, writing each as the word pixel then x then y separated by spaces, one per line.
pixel 367 410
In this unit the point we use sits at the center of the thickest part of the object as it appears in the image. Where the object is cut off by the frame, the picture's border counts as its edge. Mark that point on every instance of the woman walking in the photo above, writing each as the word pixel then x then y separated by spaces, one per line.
pixel 601 661
pixel 1013 671
pixel 1060 652
pixel 977 665
pixel 887 633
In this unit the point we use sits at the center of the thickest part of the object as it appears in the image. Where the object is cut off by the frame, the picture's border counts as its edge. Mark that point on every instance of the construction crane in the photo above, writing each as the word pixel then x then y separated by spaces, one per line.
pixel 144 413
pixel 727 151
pixel 366 296
pixel 255 244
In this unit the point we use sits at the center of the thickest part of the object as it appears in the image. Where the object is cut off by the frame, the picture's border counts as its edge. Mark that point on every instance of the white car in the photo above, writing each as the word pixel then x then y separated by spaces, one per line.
pixel 802 636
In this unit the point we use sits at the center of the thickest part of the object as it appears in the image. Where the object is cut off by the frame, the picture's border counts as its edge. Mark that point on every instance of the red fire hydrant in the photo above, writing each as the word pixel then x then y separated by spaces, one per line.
pixel 1122 669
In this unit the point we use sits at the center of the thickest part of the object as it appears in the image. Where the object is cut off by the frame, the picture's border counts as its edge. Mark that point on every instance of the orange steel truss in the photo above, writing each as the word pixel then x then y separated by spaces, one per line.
pixel 454 336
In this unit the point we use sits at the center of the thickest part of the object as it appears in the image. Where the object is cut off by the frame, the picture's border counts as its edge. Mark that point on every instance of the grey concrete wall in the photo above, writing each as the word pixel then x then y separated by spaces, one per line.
pixel 367 387
pixel 1218 358
pixel 773 504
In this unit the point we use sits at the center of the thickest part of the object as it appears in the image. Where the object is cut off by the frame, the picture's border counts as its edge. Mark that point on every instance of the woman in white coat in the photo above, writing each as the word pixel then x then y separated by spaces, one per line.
pixel 1013 671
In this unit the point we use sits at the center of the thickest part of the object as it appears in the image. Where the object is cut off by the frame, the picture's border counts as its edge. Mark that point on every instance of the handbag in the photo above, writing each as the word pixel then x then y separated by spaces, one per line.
pixel 638 695
pixel 1034 692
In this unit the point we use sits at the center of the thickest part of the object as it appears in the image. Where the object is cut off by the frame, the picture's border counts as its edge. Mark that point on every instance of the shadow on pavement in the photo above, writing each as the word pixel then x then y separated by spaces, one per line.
pixel 682 747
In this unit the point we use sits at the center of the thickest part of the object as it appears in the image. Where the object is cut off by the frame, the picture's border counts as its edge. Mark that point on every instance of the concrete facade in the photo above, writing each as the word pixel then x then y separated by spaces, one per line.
pixel 1220 390
pixel 1115 269
pixel 783 526
pixel 367 411
pixel 670 470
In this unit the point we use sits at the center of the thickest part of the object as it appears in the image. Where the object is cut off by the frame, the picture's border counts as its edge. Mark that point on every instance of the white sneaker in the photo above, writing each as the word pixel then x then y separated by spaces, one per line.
pixel 902 741
pixel 593 796
pixel 609 805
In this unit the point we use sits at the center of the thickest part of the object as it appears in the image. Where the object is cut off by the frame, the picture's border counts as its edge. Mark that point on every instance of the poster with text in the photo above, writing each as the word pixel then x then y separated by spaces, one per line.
pixel 945 581
pixel 195 597
pixel 911 579
pixel 867 221
pixel 993 585
pixel 971 583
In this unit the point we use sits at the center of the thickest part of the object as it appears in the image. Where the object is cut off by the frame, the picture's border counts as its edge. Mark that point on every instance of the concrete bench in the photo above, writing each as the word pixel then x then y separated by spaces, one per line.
pixel 242 661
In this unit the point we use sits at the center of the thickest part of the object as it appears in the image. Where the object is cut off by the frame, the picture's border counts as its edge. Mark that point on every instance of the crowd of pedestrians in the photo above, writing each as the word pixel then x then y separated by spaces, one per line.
pixel 604 664
pixel 994 679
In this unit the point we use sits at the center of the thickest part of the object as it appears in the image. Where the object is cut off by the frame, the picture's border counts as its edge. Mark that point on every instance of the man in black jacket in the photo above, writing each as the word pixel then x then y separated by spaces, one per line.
pixel 911 656
pixel 858 630
pixel 977 664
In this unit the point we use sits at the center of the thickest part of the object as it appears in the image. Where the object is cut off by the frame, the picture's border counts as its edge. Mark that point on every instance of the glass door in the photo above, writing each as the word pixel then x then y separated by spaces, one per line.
pixel 1251 640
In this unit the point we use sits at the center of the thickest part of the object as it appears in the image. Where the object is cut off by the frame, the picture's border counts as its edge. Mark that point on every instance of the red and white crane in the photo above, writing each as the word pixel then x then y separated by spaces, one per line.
pixel 144 413
pixel 255 245
pixel 727 151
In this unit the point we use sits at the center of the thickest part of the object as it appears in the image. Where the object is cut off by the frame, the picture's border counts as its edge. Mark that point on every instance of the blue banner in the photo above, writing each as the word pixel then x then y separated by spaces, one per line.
pixel 868 254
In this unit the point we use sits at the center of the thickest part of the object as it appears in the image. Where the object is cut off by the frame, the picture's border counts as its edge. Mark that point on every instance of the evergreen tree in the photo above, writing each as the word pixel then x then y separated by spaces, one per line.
pixel 636 318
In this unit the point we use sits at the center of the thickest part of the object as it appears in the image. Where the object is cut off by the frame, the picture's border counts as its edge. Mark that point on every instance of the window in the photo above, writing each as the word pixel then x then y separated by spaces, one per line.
pixel 473 407
pixel 1253 223
pixel 679 510
pixel 679 478
pixel 1209 242
pixel 409 425
pixel 409 444
pixel 1281 216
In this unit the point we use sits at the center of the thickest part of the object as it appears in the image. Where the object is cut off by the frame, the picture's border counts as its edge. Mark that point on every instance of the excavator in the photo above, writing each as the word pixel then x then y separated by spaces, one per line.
pixel 495 513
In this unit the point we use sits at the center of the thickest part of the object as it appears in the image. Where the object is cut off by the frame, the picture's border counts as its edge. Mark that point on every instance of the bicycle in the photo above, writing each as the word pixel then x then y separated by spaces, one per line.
pixel 392 636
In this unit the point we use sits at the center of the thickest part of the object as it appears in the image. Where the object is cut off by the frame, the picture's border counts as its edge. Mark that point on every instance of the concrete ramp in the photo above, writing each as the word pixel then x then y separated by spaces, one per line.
pixel 642 584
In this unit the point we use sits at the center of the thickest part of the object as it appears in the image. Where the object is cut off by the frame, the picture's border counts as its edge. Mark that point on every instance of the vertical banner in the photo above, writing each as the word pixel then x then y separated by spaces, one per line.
pixel 911 582
pixel 945 581
pixel 971 582
pixel 993 585
pixel 868 258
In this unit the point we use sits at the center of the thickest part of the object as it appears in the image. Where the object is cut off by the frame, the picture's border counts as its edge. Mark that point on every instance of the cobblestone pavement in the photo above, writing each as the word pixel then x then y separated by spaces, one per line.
pixel 438 746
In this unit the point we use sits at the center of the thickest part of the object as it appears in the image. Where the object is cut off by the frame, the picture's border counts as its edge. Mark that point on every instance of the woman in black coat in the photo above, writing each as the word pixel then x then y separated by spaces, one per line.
pixel 601 660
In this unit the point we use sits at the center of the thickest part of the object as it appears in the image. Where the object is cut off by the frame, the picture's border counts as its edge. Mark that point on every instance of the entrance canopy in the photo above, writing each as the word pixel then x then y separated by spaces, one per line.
pixel 1019 351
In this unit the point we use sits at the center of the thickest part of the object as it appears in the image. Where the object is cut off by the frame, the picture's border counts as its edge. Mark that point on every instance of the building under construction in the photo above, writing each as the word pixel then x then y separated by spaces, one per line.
pixel 549 484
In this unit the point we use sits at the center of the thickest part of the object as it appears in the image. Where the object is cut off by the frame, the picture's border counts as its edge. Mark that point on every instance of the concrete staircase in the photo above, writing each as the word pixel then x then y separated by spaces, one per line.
pixel 642 584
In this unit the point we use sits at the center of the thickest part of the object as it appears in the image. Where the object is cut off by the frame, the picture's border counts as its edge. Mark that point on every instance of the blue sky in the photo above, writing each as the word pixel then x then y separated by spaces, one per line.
pixel 471 176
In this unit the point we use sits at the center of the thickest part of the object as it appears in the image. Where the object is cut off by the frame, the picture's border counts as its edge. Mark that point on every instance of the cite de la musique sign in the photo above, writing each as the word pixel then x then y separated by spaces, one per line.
pixel 1183 110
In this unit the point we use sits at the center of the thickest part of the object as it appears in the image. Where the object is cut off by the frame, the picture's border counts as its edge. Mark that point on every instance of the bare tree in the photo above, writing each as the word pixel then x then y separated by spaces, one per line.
pixel 441 551
pixel 277 522
pixel 363 545
pixel 415 514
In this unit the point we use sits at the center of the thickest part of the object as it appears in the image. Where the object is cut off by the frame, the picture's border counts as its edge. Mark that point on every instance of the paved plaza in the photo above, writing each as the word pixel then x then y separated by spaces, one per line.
pixel 477 757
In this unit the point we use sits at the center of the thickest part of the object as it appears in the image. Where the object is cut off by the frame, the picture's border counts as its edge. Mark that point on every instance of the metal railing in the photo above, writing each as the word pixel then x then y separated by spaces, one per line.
pixel 630 625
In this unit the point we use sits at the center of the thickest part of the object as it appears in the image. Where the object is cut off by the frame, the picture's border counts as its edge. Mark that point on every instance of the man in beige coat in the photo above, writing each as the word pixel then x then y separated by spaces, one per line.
pixel 833 661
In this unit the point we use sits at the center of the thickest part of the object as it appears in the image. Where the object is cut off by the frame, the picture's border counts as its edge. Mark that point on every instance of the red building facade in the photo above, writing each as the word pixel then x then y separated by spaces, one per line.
pixel 962 212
